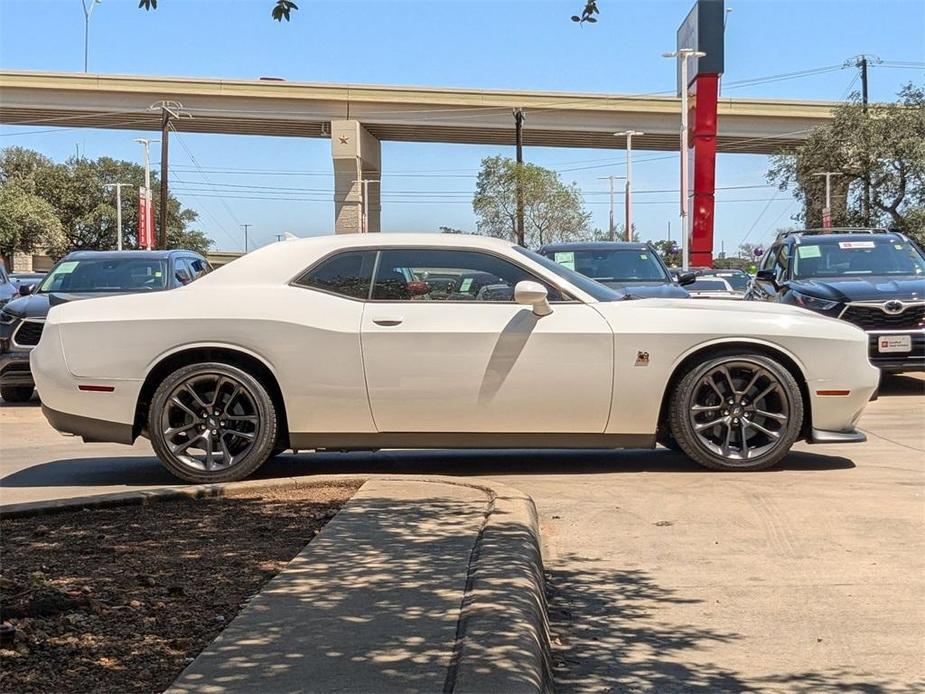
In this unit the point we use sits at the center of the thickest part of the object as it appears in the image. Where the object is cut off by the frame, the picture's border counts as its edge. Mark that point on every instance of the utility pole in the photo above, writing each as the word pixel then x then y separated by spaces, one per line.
pixel 118 187
pixel 519 129
pixel 862 64
pixel 612 228
pixel 88 10
pixel 628 134
pixel 246 227
pixel 165 141
pixel 365 183
pixel 146 144
pixel 683 55
pixel 827 212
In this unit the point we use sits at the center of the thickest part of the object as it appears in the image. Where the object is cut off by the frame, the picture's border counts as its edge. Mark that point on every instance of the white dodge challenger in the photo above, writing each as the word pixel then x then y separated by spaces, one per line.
pixel 426 340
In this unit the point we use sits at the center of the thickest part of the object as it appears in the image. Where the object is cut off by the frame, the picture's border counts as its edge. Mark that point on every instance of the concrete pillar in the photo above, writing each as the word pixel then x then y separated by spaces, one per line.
pixel 356 156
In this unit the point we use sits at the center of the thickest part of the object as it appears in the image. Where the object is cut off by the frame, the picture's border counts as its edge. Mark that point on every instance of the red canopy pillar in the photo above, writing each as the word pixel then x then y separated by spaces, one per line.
pixel 703 143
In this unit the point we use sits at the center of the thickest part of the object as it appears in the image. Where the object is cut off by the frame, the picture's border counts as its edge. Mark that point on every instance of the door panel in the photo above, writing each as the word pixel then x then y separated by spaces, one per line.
pixel 492 367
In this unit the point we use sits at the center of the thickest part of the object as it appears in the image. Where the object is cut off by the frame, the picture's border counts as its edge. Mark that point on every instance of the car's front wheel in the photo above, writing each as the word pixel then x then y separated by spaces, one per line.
pixel 212 422
pixel 739 411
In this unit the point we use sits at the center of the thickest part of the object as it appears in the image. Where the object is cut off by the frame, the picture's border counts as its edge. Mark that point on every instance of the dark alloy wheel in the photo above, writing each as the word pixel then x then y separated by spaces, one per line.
pixel 737 412
pixel 212 423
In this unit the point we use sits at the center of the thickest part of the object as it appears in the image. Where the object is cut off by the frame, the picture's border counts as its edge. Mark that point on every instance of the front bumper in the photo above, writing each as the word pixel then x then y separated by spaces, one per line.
pixel 913 360
pixel 822 436
pixel 15 370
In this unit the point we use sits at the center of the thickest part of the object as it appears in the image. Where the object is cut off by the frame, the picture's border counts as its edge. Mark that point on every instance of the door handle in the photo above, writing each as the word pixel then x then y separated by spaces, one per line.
pixel 388 322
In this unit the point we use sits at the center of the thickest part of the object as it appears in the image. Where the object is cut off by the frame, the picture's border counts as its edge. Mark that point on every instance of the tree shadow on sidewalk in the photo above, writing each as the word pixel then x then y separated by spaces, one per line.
pixel 610 634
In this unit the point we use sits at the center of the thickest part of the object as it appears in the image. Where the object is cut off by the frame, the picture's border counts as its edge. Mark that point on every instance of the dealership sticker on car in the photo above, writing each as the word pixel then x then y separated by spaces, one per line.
pixel 895 343
pixel 847 245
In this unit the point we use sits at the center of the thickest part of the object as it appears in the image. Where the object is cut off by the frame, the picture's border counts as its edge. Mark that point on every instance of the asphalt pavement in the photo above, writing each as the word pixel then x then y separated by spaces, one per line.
pixel 661 576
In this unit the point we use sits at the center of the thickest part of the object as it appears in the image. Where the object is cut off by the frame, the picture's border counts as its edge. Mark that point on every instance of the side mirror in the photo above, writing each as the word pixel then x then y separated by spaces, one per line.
pixel 767 277
pixel 686 278
pixel 26 289
pixel 533 294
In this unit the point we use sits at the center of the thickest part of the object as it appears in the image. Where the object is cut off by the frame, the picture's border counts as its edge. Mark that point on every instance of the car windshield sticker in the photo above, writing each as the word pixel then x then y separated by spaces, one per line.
pixel 158 273
pixel 466 283
pixel 67 267
pixel 847 245
pixel 809 252
pixel 567 259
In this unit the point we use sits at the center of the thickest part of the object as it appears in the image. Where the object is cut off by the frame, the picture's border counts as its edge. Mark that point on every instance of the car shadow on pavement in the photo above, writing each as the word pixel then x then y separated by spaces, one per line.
pixel 610 633
pixel 897 384
pixel 135 471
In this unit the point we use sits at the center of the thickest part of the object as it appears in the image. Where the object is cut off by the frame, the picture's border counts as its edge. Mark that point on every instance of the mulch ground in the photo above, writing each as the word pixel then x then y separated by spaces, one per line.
pixel 122 599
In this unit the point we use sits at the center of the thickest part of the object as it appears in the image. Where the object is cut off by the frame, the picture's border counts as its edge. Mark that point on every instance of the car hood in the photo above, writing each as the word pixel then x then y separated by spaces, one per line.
pixel 873 288
pixel 647 290
pixel 37 305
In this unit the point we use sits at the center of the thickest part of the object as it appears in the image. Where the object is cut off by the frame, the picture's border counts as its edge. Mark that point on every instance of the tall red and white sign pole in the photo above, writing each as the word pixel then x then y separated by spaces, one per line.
pixel 700 63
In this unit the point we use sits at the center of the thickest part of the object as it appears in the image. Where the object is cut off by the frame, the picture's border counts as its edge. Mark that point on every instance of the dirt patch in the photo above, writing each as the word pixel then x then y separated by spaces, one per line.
pixel 122 599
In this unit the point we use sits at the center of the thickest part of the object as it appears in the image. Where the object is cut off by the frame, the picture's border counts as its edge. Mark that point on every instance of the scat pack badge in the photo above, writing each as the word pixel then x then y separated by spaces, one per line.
pixel 642 358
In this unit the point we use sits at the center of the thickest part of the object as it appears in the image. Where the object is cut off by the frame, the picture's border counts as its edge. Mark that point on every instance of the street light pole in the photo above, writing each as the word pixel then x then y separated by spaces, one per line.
pixel 827 212
pixel 246 227
pixel 118 187
pixel 683 55
pixel 612 229
pixel 628 134
pixel 88 6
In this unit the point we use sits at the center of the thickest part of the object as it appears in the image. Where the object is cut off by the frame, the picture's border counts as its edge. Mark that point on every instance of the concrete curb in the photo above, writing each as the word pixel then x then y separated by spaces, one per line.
pixel 503 633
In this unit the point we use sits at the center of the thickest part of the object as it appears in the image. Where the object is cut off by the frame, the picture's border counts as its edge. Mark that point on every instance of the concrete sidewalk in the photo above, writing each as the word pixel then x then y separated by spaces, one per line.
pixel 396 595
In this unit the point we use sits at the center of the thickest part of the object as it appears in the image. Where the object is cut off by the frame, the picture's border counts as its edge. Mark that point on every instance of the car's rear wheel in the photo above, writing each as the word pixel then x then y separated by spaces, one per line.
pixel 212 422
pixel 16 393
pixel 739 411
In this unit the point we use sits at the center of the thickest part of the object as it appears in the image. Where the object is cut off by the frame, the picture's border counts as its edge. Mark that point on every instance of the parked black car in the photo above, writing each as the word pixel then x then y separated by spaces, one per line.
pixel 872 278
pixel 82 275
pixel 634 268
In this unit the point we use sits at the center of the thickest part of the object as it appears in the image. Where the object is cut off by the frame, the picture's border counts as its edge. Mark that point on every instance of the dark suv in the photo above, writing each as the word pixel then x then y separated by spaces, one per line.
pixel 82 275
pixel 870 277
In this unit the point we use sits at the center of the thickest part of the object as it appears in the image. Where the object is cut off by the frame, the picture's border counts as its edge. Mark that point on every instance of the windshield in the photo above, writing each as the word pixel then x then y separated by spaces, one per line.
pixel 739 282
pixel 589 286
pixel 707 286
pixel 614 265
pixel 106 275
pixel 867 257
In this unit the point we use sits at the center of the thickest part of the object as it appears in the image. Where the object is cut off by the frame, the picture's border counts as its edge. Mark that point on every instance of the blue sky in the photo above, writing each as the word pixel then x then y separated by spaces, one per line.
pixel 525 45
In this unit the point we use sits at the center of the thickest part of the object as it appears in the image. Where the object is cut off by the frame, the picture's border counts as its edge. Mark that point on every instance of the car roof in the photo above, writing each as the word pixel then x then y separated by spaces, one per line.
pixel 595 246
pixel 846 236
pixel 153 255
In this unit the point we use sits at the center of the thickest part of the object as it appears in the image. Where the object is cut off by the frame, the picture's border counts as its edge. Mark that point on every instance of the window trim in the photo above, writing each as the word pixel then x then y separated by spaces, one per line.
pixel 569 295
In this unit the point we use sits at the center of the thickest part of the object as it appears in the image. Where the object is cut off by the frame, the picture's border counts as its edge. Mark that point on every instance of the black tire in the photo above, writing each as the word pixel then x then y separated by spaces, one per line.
pixel 262 424
pixel 16 393
pixel 778 435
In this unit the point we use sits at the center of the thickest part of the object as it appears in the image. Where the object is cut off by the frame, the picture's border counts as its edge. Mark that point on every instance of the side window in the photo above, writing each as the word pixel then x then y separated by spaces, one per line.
pixel 197 267
pixel 182 271
pixel 347 274
pixel 767 260
pixel 781 263
pixel 448 275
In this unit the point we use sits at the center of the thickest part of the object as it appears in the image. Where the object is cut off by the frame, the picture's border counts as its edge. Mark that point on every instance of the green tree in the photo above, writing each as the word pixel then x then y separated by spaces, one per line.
pixel 883 148
pixel 669 251
pixel 86 210
pixel 27 222
pixel 553 211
